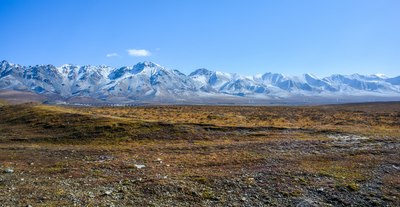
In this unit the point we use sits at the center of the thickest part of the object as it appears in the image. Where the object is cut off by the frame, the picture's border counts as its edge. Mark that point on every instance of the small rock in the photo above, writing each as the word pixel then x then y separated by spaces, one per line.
pixel 91 195
pixel 8 170
pixel 251 180
pixel 108 192
pixel 243 199
pixel 139 166
pixel 103 158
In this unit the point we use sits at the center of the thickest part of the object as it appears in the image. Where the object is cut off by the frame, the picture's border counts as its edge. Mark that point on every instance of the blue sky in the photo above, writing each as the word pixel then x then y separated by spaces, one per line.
pixel 248 37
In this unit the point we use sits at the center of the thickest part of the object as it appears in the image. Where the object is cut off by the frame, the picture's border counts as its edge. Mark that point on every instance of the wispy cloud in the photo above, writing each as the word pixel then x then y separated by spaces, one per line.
pixel 138 52
pixel 112 55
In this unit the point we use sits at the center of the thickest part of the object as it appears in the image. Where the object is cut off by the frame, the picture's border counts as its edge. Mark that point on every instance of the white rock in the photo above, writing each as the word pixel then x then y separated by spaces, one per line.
pixel 139 166
pixel 8 170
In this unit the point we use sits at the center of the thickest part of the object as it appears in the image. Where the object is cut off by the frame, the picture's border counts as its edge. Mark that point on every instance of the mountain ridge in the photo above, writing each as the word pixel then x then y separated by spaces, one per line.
pixel 148 81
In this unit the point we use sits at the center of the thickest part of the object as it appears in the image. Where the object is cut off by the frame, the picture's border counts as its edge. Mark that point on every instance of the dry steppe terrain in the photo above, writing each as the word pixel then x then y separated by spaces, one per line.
pixel 332 155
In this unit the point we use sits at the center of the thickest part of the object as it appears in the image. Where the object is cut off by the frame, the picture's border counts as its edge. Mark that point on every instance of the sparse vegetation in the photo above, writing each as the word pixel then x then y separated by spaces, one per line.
pixel 200 155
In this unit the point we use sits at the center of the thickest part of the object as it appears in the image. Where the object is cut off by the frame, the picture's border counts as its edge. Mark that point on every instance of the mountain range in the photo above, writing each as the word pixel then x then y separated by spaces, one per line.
pixel 150 82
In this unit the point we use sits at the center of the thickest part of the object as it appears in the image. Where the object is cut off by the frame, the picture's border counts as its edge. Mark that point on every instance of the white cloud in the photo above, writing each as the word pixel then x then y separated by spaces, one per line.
pixel 112 55
pixel 138 52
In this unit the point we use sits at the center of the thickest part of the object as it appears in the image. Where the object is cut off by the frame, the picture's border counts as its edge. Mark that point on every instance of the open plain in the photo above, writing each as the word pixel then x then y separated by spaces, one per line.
pixel 332 155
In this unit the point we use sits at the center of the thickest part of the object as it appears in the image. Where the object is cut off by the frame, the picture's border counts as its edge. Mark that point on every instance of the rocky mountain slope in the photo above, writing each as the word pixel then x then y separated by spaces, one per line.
pixel 147 81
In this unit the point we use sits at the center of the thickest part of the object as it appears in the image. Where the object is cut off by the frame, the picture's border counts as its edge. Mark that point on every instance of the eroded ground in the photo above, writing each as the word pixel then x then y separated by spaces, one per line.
pixel 344 155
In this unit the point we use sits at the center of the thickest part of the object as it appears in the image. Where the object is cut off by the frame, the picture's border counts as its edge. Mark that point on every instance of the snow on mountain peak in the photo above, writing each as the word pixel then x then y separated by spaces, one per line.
pixel 149 64
pixel 201 71
pixel 380 75
pixel 4 62
pixel 148 80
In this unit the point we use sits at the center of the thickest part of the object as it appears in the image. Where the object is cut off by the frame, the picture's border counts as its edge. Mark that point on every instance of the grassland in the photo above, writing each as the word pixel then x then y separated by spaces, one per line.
pixel 337 155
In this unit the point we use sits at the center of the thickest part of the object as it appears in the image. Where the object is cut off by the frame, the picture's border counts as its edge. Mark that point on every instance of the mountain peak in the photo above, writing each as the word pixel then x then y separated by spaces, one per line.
pixel 147 64
pixel 67 66
pixel 380 75
pixel 311 75
pixel 5 63
pixel 144 66
pixel 201 71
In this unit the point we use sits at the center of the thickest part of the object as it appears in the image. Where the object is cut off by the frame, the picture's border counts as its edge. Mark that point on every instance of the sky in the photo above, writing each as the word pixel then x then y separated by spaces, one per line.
pixel 320 37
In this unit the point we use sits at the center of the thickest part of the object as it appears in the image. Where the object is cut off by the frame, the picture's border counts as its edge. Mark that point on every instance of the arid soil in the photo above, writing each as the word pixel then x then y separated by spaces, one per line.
pixel 337 155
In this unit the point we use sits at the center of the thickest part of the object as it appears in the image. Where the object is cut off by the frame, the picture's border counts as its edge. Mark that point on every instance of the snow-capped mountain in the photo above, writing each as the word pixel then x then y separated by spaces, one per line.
pixel 149 81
